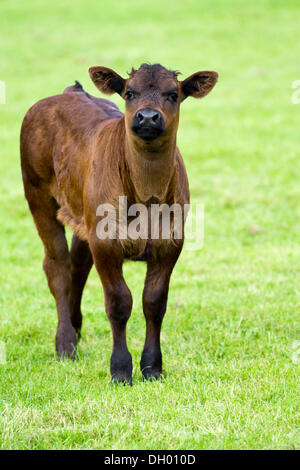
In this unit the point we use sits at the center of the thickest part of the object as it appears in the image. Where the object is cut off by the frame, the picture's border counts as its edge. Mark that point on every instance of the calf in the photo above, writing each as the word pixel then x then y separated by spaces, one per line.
pixel 79 153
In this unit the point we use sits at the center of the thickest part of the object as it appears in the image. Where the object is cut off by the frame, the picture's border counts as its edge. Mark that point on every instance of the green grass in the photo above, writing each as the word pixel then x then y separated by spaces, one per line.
pixel 232 320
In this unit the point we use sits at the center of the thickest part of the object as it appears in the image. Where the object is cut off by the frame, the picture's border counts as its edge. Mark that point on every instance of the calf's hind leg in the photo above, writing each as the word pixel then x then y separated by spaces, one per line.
pixel 57 265
pixel 81 263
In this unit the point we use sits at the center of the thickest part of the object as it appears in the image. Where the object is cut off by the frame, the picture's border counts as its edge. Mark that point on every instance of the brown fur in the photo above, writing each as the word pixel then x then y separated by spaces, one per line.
pixel 77 152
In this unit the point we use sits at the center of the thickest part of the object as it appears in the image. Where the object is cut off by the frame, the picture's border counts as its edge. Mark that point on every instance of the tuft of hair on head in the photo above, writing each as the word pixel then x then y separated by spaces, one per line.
pixel 153 69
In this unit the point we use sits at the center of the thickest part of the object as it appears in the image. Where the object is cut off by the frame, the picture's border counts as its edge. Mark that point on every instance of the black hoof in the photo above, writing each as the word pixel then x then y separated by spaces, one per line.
pixel 151 366
pixel 116 381
pixel 66 343
pixel 121 368
pixel 151 375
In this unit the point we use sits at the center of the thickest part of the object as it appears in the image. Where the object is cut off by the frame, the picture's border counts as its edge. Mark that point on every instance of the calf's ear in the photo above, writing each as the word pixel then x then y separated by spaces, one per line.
pixel 199 84
pixel 107 80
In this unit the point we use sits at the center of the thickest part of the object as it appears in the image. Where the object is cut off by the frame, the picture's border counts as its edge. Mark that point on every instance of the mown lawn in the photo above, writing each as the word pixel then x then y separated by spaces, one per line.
pixel 231 356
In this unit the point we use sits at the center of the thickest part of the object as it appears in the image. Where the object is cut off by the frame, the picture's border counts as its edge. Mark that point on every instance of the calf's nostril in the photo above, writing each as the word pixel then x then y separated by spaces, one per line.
pixel 140 117
pixel 155 118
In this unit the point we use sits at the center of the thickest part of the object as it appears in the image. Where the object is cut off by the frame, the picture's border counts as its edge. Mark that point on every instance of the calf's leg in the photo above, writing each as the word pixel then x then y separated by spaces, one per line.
pixel 118 304
pixel 57 264
pixel 155 298
pixel 81 263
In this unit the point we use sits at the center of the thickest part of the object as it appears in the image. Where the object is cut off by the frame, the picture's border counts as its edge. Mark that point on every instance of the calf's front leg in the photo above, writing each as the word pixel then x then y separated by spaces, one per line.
pixel 155 298
pixel 118 304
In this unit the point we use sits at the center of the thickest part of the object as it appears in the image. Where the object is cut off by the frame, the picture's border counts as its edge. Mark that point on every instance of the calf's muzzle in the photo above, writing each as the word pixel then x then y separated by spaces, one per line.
pixel 148 124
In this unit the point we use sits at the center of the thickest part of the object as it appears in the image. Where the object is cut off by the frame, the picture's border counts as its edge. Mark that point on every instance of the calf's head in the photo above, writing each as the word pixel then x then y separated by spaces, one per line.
pixel 153 95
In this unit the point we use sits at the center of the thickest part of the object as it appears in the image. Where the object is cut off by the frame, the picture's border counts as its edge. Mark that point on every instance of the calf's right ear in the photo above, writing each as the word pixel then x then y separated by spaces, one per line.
pixel 199 84
pixel 107 80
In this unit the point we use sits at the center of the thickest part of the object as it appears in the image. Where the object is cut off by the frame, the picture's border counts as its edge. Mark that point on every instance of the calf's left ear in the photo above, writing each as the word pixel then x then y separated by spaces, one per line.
pixel 199 84
pixel 107 80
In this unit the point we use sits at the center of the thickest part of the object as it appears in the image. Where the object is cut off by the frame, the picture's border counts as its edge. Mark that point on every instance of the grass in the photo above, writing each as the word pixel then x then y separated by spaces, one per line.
pixel 232 321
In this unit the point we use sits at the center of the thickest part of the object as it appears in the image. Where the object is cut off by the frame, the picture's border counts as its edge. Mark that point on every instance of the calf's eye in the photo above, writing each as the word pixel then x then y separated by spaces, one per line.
pixel 173 97
pixel 129 95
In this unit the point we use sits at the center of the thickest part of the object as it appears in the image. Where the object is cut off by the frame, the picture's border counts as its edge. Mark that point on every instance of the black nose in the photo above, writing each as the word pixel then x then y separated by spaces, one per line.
pixel 148 117
pixel 148 123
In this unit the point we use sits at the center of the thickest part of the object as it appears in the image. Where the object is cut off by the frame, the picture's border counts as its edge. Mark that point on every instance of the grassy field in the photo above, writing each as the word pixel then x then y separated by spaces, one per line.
pixel 230 334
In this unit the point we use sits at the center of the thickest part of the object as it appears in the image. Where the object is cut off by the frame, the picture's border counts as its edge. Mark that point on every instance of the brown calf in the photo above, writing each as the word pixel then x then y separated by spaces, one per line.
pixel 79 152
